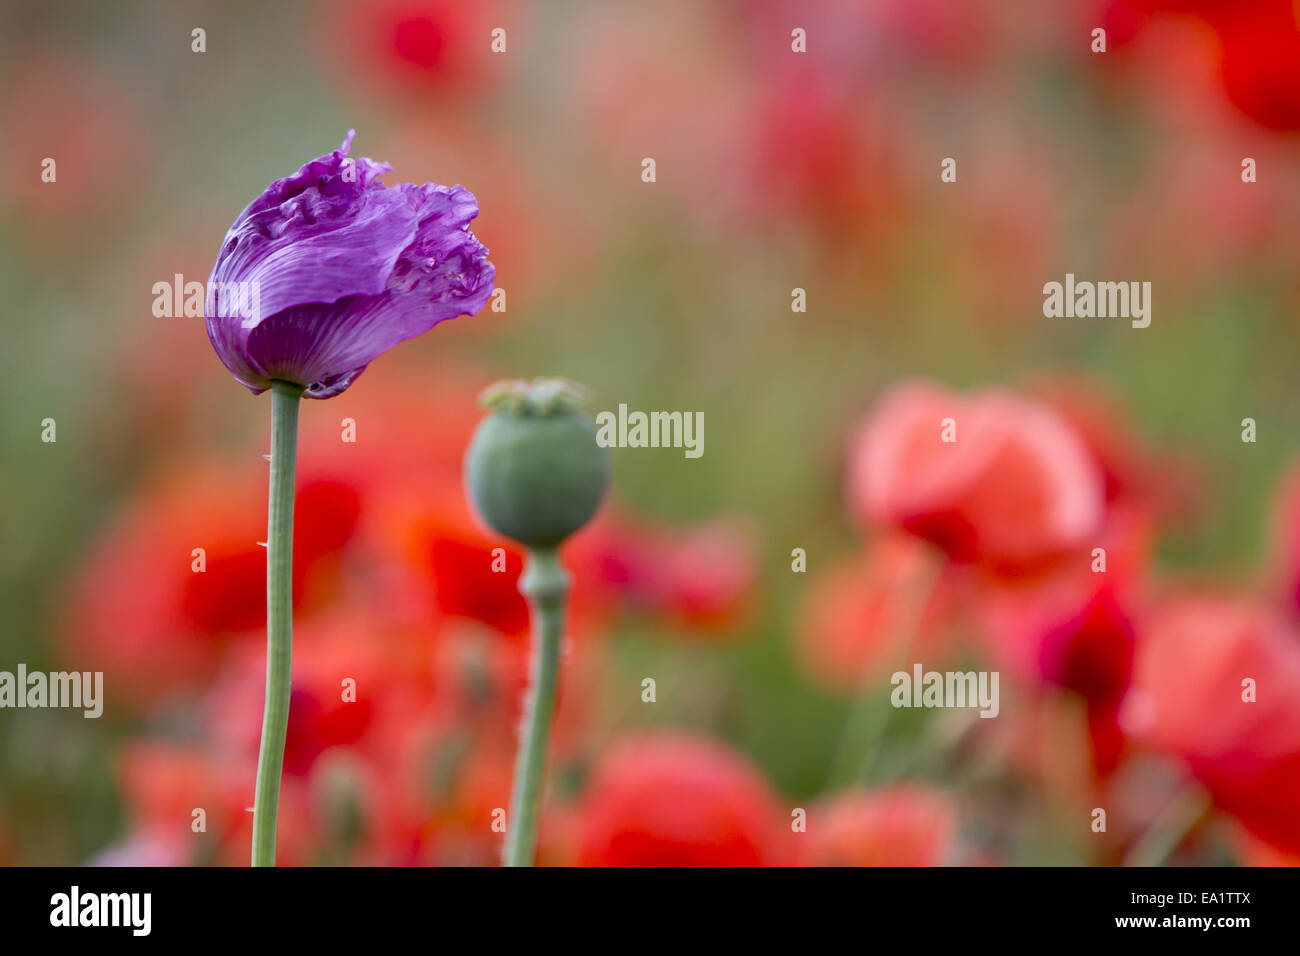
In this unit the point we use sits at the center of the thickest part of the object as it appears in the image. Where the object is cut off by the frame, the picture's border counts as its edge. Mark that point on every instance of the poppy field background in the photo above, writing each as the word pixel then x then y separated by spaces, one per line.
pixel 775 171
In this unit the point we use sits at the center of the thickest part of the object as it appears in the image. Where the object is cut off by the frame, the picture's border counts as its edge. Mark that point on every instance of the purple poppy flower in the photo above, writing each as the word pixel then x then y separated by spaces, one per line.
pixel 329 268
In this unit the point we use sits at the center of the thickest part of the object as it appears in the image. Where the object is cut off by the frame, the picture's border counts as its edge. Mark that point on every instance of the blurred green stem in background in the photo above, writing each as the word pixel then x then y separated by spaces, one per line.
pixel 545 584
pixel 1179 817
pixel 862 738
pixel 279 617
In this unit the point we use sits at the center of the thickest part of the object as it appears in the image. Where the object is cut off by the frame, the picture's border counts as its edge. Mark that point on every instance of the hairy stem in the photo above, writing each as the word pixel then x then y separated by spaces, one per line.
pixel 279 618
pixel 545 584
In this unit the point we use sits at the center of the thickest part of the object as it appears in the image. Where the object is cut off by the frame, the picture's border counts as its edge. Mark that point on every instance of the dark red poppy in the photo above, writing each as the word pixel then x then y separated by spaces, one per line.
pixel 1214 684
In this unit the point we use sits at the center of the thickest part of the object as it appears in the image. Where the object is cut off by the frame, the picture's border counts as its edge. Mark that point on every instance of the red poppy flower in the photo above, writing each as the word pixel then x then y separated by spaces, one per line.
pixel 417 47
pixel 1214 684
pixel 677 800
pixel 59 107
pixel 1073 626
pixel 863 615
pixel 1259 49
pixel 699 578
pixel 902 825
pixel 153 614
pixel 1133 477
pixel 163 784
pixel 991 477
pixel 349 671
pixel 829 158
pixel 1261 59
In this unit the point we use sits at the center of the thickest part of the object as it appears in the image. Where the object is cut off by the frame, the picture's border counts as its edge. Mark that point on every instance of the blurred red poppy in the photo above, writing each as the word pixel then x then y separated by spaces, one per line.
pixel 1259 49
pixel 901 825
pixel 1073 626
pixel 698 578
pixel 416 47
pixel 1214 684
pixel 829 158
pixel 866 614
pixel 678 800
pixel 184 802
pixel 58 108
pixel 991 478
pixel 1261 59
pixel 180 571
pixel 1140 480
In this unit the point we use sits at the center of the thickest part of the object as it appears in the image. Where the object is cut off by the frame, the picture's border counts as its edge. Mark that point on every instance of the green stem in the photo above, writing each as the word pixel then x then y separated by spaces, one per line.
pixel 279 617
pixel 1171 826
pixel 545 584
pixel 863 736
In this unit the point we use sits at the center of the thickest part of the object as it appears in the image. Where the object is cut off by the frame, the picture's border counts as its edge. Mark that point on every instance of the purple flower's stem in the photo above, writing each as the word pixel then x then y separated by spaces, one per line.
pixel 279 617
pixel 545 584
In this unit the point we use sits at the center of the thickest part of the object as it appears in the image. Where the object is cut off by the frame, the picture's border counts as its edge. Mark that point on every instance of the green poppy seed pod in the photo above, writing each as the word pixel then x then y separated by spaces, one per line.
pixel 534 470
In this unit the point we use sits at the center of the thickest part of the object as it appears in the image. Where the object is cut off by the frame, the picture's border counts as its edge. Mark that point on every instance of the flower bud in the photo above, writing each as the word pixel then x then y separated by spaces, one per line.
pixel 534 470
pixel 329 268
